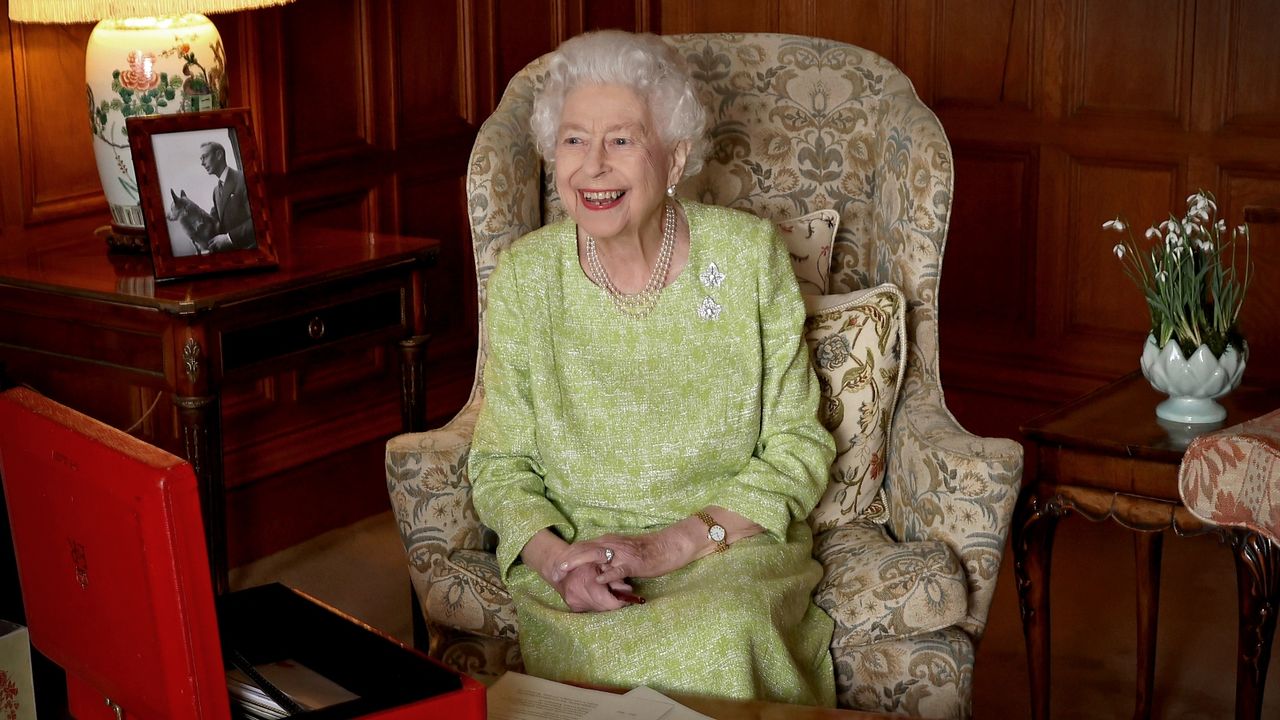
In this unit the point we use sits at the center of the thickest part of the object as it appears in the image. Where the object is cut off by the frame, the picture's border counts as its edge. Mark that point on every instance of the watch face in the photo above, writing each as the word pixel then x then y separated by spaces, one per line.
pixel 716 533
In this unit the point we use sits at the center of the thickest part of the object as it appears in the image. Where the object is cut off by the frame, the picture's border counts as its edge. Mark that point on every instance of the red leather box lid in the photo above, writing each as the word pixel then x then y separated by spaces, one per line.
pixel 111 558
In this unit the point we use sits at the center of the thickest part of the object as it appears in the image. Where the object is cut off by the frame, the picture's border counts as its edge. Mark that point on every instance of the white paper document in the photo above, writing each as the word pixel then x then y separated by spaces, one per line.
pixel 676 711
pixel 517 696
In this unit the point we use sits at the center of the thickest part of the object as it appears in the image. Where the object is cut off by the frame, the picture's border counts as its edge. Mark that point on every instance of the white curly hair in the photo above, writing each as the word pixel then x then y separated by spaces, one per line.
pixel 640 61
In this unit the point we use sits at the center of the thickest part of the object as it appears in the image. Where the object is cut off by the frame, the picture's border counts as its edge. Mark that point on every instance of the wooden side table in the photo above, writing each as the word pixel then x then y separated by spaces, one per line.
pixel 1107 456
pixel 75 310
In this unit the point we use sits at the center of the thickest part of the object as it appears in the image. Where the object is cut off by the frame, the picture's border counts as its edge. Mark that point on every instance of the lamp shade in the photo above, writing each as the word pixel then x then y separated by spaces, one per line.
pixel 145 57
pixel 75 11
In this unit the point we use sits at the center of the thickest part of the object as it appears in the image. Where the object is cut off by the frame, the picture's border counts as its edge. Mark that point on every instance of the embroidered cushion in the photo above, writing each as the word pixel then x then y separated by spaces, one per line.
pixel 875 588
pixel 809 239
pixel 857 342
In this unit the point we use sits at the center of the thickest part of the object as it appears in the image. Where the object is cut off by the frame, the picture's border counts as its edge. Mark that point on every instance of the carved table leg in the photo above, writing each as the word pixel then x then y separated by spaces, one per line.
pixel 1034 521
pixel 1258 583
pixel 413 383
pixel 1147 548
pixel 200 419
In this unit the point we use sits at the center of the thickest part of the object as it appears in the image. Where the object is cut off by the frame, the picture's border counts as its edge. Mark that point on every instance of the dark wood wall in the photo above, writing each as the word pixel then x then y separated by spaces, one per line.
pixel 1061 113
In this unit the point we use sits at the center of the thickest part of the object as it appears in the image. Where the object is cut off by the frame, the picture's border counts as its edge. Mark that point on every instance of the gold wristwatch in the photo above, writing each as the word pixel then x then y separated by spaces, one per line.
pixel 715 531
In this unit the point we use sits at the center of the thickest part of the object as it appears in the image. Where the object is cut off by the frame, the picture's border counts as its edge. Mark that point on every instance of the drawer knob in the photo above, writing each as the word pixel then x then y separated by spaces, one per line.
pixel 315 328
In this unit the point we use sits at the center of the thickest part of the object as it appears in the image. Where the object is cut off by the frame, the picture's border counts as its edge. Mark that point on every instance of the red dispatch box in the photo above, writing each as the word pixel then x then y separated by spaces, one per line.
pixel 115 577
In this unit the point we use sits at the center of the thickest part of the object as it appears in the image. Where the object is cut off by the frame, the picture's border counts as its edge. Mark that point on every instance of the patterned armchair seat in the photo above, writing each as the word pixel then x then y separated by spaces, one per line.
pixel 798 124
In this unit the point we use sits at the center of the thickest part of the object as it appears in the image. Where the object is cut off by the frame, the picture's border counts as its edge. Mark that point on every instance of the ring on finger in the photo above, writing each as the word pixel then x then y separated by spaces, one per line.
pixel 608 555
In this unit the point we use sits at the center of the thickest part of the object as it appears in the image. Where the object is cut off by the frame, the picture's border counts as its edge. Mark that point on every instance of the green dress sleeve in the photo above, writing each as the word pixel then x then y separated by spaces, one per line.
pixel 504 465
pixel 788 473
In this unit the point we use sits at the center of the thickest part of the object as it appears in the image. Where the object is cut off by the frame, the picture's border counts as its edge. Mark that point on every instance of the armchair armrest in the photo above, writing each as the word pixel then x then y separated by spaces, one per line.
pixel 947 484
pixel 431 493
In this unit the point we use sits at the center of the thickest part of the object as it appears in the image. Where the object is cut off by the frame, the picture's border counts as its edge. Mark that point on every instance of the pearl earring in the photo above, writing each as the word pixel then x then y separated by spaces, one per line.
pixel 671 191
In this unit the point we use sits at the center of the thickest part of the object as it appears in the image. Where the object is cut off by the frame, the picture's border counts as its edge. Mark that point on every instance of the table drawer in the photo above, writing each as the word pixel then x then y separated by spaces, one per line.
pixel 246 346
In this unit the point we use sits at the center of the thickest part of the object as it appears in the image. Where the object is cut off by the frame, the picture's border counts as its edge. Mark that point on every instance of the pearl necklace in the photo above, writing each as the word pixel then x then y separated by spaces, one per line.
pixel 641 303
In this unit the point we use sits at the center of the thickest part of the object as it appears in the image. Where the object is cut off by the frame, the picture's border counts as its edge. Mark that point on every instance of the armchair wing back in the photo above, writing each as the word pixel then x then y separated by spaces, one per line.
pixel 797 124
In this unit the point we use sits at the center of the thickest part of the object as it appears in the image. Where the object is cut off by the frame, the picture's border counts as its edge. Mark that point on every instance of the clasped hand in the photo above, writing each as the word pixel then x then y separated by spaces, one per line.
pixel 591 574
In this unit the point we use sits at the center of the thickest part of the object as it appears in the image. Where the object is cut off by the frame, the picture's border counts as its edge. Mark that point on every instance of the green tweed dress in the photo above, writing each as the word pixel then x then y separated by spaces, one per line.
pixel 596 422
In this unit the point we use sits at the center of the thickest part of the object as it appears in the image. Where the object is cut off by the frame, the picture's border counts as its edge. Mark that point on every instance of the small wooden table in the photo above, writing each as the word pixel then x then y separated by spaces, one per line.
pixel 74 309
pixel 1104 456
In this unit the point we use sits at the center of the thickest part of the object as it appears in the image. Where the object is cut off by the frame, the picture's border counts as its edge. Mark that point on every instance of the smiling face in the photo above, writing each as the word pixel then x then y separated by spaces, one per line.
pixel 612 170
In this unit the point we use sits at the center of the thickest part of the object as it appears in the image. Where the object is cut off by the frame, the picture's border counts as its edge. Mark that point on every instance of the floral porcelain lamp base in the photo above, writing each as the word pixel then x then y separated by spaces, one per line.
pixel 1193 382
pixel 145 66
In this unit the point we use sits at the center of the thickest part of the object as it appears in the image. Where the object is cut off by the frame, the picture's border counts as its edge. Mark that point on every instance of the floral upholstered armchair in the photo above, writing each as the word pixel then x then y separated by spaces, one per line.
pixel 797 125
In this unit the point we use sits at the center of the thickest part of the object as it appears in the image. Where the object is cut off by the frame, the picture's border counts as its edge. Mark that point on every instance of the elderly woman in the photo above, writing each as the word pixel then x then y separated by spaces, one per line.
pixel 649 448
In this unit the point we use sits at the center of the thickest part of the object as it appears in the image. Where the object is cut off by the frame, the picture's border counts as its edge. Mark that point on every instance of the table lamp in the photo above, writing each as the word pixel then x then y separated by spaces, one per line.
pixel 145 57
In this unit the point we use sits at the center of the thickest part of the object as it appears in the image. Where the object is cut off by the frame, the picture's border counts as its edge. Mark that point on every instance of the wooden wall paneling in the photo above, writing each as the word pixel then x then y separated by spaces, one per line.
pixel 681 16
pixel 262 72
pixel 481 42
pixel 916 22
pixel 1131 59
pixel 1252 84
pixel 352 209
pixel 997 72
pixel 327 82
pixel 435 206
pixel 60 176
pixel 1104 314
pixel 432 70
pixel 523 30
pixel 630 15
pixel 870 24
pixel 1255 194
pixel 992 236
pixel 10 168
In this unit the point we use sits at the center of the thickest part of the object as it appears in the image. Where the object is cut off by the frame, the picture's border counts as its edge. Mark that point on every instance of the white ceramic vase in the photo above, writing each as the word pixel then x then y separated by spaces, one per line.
pixel 1192 383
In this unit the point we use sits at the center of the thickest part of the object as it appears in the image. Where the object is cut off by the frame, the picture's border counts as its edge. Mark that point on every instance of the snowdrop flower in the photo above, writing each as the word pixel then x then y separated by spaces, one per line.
pixel 1153 233
pixel 1241 230
pixel 1161 276
pixel 1118 250
pixel 1205 246
pixel 1169 225
pixel 1220 226
pixel 1117 225
pixel 1172 240
pixel 1202 201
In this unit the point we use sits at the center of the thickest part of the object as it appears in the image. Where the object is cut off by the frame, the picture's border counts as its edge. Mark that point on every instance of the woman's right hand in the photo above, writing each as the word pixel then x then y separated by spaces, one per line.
pixel 582 593
pixel 545 552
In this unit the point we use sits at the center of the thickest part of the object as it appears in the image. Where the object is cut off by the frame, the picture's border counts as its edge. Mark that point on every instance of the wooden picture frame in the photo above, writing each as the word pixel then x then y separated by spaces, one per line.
pixel 201 191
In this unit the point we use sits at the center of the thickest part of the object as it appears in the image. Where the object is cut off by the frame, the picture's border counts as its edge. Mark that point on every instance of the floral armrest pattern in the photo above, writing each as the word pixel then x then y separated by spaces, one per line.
pixel 947 484
pixel 431 494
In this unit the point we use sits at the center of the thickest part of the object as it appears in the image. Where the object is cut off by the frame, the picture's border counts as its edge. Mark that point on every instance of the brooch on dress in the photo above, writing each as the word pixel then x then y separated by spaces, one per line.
pixel 712 278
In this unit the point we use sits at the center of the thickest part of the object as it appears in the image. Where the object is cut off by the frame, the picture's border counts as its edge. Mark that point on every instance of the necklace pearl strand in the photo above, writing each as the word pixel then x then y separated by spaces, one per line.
pixel 639 304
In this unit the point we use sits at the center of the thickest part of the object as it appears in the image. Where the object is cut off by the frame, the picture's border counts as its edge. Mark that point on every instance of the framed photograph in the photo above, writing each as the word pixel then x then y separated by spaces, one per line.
pixel 200 181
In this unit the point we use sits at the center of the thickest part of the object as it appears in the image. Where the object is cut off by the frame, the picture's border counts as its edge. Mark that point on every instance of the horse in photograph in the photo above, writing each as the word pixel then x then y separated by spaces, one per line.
pixel 195 220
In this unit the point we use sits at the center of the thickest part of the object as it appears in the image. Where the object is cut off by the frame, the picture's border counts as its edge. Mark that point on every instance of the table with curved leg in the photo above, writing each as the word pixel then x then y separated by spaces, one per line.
pixel 1107 457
